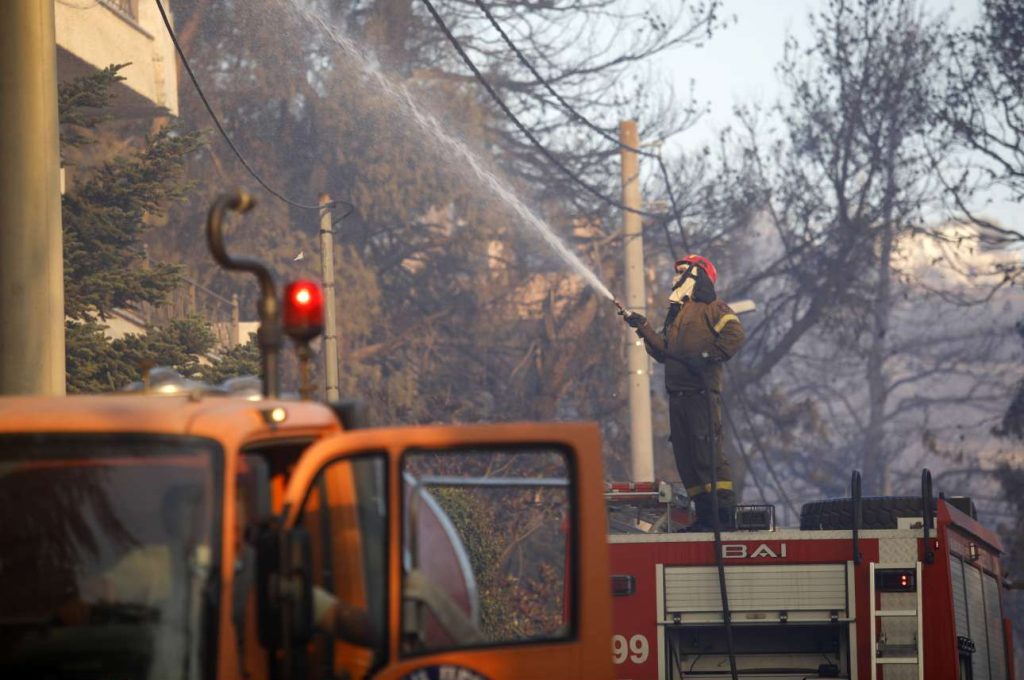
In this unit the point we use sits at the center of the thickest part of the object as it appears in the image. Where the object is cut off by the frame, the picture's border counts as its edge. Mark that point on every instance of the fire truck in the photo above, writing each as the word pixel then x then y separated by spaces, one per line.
pixel 880 588
pixel 192 532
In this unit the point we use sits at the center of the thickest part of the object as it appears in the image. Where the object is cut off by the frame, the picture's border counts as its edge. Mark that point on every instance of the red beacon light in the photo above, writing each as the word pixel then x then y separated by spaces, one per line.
pixel 303 314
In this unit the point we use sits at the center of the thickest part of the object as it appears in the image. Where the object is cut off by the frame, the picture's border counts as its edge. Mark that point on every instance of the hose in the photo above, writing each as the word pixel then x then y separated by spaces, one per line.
pixel 716 525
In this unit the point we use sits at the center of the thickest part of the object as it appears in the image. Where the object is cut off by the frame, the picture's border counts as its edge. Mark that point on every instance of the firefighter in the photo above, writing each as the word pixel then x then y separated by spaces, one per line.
pixel 700 334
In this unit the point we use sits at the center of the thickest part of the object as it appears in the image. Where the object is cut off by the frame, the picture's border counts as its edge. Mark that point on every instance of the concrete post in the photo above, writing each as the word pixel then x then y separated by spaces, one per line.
pixel 234 332
pixel 31 242
pixel 641 437
pixel 330 314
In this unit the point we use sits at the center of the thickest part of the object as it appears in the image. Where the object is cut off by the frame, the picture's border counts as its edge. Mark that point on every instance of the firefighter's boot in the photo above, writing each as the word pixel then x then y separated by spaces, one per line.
pixel 703 511
pixel 726 510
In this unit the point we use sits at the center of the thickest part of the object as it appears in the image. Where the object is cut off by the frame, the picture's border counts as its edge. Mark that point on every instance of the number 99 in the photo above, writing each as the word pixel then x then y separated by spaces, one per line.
pixel 637 649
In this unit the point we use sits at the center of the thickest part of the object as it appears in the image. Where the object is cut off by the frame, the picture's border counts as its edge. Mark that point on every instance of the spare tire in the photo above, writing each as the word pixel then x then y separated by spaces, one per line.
pixel 876 512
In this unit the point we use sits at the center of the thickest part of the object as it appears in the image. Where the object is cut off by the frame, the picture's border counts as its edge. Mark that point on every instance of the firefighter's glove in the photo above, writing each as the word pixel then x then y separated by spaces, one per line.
pixel 635 319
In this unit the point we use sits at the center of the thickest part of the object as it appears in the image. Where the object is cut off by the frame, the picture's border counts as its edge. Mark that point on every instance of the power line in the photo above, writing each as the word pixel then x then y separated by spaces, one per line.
pixel 521 127
pixel 220 128
pixel 561 100
pixel 676 213
pixel 586 121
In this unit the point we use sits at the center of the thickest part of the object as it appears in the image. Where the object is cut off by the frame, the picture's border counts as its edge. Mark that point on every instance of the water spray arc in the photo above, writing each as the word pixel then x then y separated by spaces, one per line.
pixel 470 162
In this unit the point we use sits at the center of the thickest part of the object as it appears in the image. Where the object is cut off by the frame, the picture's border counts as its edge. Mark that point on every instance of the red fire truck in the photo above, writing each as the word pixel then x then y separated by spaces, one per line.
pixel 879 588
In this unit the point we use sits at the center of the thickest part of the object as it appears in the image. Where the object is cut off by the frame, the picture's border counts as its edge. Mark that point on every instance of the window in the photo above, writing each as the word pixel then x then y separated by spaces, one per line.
pixel 111 543
pixel 487 544
pixel 345 514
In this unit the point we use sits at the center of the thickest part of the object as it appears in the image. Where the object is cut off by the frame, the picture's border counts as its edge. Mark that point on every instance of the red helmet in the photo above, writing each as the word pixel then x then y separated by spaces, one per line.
pixel 702 262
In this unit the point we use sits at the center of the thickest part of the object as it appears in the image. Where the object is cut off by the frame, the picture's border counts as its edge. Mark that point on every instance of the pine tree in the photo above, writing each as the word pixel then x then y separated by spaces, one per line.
pixel 235 361
pixel 105 216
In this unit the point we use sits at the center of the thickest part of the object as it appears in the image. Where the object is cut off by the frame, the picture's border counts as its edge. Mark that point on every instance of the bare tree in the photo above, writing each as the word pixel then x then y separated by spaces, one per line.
pixel 877 330
pixel 984 109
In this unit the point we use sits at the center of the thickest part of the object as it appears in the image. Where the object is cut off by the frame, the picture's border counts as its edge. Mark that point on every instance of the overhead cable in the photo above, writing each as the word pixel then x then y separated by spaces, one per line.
pixel 551 90
pixel 227 138
pixel 521 127
pixel 571 110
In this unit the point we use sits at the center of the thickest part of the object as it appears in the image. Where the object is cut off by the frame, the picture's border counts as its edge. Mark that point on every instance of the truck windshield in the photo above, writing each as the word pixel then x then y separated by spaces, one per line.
pixel 108 556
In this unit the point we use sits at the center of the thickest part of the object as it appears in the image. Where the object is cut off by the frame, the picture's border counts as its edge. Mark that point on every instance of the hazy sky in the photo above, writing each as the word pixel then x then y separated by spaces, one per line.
pixel 738 66
pixel 738 63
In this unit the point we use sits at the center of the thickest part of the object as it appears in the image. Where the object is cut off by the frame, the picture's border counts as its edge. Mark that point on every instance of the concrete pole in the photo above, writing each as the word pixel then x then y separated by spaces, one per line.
pixel 234 333
pixel 330 318
pixel 641 437
pixel 31 243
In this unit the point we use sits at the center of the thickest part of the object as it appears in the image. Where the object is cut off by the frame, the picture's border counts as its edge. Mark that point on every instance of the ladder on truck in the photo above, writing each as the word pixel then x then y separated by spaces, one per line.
pixel 883 653
pixel 880 648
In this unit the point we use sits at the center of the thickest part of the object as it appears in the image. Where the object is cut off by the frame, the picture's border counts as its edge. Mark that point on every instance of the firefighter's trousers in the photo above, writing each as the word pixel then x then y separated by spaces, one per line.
pixel 691 444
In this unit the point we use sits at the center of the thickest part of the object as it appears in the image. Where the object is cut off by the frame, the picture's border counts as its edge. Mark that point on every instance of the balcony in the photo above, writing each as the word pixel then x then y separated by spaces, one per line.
pixel 94 35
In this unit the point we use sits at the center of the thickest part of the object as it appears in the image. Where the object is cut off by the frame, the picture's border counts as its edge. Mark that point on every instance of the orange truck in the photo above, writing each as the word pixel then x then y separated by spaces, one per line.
pixel 191 534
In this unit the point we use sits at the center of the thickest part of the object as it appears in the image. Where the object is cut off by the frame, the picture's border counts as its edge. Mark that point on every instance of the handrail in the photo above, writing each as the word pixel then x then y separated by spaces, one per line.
pixel 856 510
pixel 270 336
pixel 926 507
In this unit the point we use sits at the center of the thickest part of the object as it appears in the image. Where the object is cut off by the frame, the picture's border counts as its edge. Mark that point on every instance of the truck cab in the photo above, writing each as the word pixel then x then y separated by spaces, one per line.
pixel 214 537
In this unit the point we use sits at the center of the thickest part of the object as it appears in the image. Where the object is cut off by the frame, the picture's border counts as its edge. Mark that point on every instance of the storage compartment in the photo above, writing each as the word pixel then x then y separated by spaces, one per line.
pixel 776 652
pixel 793 593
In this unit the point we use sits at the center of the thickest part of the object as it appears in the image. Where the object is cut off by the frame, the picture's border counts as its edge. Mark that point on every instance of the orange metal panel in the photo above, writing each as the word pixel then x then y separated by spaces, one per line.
pixel 586 654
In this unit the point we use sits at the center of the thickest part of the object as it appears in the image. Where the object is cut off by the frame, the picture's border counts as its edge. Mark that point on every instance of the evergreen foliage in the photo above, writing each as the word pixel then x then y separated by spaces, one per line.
pixel 99 364
pixel 234 362
pixel 93 363
pixel 105 216
pixel 82 104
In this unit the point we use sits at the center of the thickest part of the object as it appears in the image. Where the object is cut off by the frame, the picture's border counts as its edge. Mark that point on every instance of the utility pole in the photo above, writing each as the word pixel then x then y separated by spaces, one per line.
pixel 234 333
pixel 330 319
pixel 31 242
pixel 640 435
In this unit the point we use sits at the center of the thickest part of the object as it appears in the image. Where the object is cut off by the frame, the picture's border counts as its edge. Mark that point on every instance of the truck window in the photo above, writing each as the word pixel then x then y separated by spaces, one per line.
pixel 487 537
pixel 345 514
pixel 107 547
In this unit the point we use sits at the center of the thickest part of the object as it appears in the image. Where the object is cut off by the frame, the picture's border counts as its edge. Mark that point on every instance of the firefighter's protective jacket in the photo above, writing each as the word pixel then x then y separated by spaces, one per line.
pixel 700 334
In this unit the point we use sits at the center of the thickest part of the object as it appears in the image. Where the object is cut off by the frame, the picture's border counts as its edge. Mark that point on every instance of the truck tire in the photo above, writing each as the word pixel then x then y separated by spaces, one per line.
pixel 876 512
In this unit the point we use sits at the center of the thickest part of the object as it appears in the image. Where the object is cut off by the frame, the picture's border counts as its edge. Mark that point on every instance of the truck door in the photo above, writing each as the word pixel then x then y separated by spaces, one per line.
pixel 437 553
